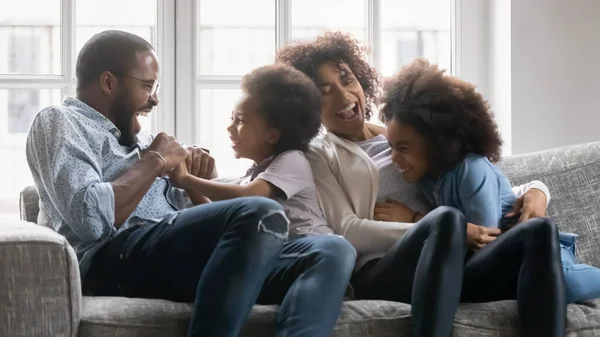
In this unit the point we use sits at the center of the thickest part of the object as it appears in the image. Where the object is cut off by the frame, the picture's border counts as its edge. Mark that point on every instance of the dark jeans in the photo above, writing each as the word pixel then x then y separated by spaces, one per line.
pixel 522 264
pixel 423 268
pixel 222 256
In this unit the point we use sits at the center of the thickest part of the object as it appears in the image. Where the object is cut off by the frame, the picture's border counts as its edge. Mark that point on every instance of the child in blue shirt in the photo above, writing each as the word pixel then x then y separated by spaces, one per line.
pixel 445 139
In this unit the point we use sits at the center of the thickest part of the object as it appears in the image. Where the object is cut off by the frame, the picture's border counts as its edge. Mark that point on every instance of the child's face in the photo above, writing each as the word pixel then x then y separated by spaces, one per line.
pixel 409 151
pixel 249 133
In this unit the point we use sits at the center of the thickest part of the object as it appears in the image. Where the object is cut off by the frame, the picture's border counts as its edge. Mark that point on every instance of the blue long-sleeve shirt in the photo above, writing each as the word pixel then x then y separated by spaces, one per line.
pixel 480 190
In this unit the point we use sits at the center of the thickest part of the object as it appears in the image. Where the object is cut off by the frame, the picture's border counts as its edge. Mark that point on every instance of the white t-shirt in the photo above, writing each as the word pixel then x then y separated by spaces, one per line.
pixel 291 173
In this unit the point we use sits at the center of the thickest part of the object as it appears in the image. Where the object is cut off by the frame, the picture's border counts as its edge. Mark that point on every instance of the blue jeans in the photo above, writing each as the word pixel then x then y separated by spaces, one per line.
pixel 582 281
pixel 222 256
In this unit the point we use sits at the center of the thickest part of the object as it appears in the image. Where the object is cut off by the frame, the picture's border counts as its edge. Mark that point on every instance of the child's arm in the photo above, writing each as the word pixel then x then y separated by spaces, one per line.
pixel 285 176
pixel 222 191
pixel 479 192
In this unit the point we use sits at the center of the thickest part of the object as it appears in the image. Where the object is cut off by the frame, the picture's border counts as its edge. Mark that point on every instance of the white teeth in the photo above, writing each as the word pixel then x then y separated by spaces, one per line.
pixel 404 170
pixel 348 108
pixel 143 113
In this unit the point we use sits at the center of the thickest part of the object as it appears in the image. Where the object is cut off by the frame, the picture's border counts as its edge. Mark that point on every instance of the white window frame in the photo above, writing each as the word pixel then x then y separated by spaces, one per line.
pixel 188 81
pixel 165 48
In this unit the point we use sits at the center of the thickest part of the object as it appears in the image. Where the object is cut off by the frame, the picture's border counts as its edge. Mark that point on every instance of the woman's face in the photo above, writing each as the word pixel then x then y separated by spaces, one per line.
pixel 409 151
pixel 343 102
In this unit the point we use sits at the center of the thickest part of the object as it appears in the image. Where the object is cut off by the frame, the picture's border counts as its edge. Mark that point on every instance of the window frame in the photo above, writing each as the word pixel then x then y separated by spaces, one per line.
pixel 188 83
pixel 65 82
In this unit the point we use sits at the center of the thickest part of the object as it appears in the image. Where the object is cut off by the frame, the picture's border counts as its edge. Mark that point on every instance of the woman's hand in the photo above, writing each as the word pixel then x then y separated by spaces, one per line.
pixel 393 211
pixel 479 236
pixel 532 204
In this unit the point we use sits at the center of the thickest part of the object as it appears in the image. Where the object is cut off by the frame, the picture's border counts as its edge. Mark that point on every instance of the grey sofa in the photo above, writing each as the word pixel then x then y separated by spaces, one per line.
pixel 40 290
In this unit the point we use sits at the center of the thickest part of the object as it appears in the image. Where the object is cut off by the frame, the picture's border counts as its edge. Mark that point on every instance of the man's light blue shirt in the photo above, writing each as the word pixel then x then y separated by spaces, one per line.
pixel 74 154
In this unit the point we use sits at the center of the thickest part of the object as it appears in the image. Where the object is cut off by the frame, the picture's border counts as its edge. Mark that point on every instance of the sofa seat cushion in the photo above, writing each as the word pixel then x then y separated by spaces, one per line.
pixel 500 319
pixel 132 317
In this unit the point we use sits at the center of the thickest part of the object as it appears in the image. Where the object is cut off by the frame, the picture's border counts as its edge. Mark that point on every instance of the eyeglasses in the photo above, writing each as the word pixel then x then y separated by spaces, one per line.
pixel 153 86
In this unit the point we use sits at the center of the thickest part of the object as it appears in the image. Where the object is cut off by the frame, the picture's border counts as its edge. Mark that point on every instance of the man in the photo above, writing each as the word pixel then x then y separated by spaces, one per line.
pixel 109 194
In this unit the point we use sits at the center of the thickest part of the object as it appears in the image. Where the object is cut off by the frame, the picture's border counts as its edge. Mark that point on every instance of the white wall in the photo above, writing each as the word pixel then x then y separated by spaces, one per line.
pixel 555 70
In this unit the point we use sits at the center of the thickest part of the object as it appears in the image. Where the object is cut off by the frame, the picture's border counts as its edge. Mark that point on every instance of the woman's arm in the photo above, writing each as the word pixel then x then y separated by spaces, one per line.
pixel 367 236
pixel 521 190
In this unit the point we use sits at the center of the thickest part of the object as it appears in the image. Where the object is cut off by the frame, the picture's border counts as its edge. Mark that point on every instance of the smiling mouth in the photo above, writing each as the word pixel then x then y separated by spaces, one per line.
pixel 234 142
pixel 143 113
pixel 348 113
pixel 404 170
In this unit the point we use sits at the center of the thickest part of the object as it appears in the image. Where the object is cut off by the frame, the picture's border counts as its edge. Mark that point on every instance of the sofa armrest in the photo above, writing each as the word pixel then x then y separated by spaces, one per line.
pixel 40 287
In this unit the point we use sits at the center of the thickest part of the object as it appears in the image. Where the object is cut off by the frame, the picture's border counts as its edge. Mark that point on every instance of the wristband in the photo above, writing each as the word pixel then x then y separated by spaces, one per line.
pixel 163 160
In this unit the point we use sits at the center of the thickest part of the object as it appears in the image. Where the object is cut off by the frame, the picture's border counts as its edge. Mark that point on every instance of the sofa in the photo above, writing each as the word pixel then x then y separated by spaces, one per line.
pixel 40 289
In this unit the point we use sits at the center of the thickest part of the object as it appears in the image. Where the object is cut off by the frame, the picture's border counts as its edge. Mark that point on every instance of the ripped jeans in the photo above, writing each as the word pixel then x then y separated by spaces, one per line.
pixel 221 256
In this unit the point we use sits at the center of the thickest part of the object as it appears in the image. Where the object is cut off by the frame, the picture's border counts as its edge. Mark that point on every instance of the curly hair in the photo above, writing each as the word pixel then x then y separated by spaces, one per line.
pixel 453 118
pixel 336 47
pixel 289 101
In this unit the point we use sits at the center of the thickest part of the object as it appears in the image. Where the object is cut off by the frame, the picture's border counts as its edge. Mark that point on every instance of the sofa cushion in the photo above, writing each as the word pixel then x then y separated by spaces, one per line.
pixel 133 317
pixel 39 283
pixel 29 204
pixel 572 174
pixel 120 317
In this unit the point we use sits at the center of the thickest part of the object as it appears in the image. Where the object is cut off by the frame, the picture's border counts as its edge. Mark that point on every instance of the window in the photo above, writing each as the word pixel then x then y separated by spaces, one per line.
pixel 37 68
pixel 412 29
pixel 230 43
pixel 311 18
pixel 205 47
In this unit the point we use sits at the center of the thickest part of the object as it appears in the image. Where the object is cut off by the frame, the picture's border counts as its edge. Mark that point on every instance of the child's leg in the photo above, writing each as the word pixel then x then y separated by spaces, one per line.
pixel 581 280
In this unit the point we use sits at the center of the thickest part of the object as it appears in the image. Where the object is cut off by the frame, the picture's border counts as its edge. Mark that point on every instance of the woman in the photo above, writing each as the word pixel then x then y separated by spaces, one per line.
pixel 359 189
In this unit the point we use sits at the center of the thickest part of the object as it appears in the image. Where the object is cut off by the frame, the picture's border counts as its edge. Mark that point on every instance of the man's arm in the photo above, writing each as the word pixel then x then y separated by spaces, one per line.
pixel 71 176
pixel 131 187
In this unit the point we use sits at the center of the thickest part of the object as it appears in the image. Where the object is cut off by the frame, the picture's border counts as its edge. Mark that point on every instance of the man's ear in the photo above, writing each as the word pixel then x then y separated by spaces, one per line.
pixel 108 83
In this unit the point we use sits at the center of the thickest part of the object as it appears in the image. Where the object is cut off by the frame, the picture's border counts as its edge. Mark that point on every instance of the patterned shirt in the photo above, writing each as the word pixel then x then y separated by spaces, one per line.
pixel 74 154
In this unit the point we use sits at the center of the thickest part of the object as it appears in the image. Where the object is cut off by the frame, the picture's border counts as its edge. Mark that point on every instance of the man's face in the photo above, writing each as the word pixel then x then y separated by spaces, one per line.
pixel 136 96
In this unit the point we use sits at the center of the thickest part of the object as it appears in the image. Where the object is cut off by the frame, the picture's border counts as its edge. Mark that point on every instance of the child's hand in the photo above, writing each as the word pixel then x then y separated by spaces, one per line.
pixel 479 236
pixel 393 211
pixel 200 163
pixel 178 174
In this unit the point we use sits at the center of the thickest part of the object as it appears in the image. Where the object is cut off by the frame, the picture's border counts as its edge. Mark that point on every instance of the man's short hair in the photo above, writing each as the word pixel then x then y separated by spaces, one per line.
pixel 110 50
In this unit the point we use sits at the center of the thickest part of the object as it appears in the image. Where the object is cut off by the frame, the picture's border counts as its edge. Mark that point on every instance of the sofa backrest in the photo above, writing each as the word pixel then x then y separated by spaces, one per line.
pixel 29 204
pixel 572 174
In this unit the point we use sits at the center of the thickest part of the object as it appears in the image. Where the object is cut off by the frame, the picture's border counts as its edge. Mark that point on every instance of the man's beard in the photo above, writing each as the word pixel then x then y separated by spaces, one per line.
pixel 123 113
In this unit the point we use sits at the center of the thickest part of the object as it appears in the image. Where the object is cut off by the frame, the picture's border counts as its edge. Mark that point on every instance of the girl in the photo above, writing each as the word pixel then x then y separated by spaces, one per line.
pixel 445 138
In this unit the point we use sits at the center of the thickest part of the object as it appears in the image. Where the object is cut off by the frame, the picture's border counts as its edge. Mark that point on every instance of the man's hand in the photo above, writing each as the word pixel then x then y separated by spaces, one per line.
pixel 532 204
pixel 168 149
pixel 479 236
pixel 200 164
pixel 393 211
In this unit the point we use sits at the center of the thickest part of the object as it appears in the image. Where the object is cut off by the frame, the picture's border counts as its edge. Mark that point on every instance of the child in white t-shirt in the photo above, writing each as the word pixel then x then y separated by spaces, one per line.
pixel 272 125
